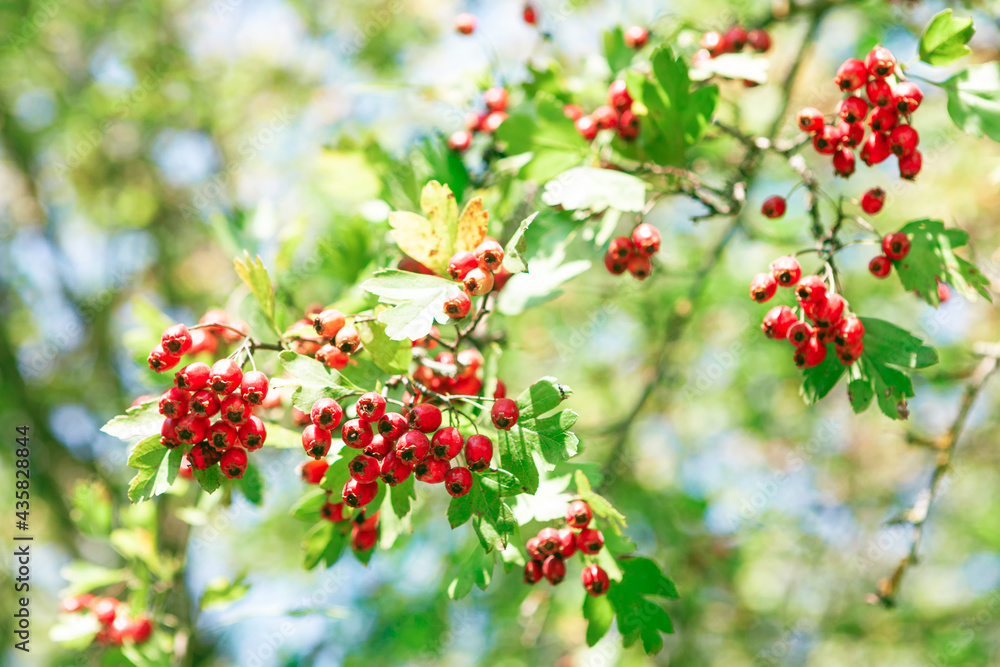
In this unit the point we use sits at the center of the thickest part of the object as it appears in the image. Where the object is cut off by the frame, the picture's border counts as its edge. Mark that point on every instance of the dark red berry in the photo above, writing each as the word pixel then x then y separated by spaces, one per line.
pixel 578 514
pixel 880 266
pixel 192 429
pixel 393 469
pixel 357 494
pixel 225 376
pixel 458 481
pixel 849 354
pixel 851 134
pixel 875 149
pixel 203 457
pixel 356 434
pixel 532 572
pixel 628 126
pixel 879 93
pixel 160 360
pixel 759 40
pixel 621 247
pixel 446 444
pixel 618 96
pixel 370 407
pixel 363 540
pixel 332 512
pixel 646 239
pixel 852 75
pixel 777 322
pixel 595 579
pixel 234 462
pixel 431 471
pixel 714 42
pixel 909 165
pixel 883 119
pixel 193 377
pixel 895 246
pixel 587 127
pixel 176 340
pixel 478 452
pixel 589 540
pixel 364 468
pixel 379 447
pixel 495 98
pixel 460 141
pixel 168 433
pixel 809 354
pixel 105 610
pixel 424 417
pixel 253 434
pixel 639 266
pixel 326 413
pixel 412 447
pixel 174 403
pixel 554 570
pixel 504 414
pixel 773 207
pixel 392 425
pixel 843 162
pixel 316 441
pixel 532 548
pixel 873 200
pixel 312 471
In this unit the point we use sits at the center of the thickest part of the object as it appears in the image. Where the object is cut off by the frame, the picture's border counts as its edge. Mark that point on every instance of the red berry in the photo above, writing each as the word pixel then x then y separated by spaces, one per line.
pixel 489 255
pixel 332 512
pixel 573 111
pixel 458 481
pixel 203 341
pixel 875 149
pixel 379 447
pixel 168 433
pixel 777 322
pixel 828 312
pixel 496 98
pixel 605 117
pixel 254 387
pixel 810 120
pixel 880 266
pixel 225 377
pixel 76 603
pixel 193 377
pixel 105 610
pixel 356 434
pixel 714 43
pixel 176 340
pixel 447 443
pixel 906 96
pixel 849 332
pixel 477 282
pixel 331 357
pixel 160 360
pixel 192 429
pixel 357 494
pixel 944 292
pixel 851 134
pixel 909 165
pixel 595 579
pixel 493 121
pixel 465 23
pixel 843 162
pixel 759 40
pixel 504 414
pixel 809 354
pixel 880 62
pixel 530 14
pixel 554 570
pixel 531 546
pixel 392 425
pixel 235 410
pixel 203 457
pixel 312 471
pixel 628 126
pixel 762 287
pixel 347 340
pixel 636 37
pixel 393 469
pixel 852 75
pixel 329 322
pixel 873 200
pixel 586 126
pixel 205 403
pixel 425 417
pixel 736 38
pixel 461 263
pixel 174 403
pixel 615 265
pixel 326 413
pixel 412 447
pixel 460 141
pixel 799 332
pixel 234 462
pixel 852 109
pixel 589 540
pixel 222 436
pixel 478 452
pixel 364 468
pixel 370 407
pixel 567 542
pixel 903 140
pixel 431 471
pixel 316 441
pixel 578 514
pixel 639 266
pixel 549 541
pixel 811 290
pixel 827 140
pixel 646 239
pixel 773 207
pixel 895 246
pixel 618 96
pixel 786 271
pixel 363 540
pixel 138 630
pixel 879 93
pixel 458 306
pixel 849 354
pixel 532 572
pixel 621 247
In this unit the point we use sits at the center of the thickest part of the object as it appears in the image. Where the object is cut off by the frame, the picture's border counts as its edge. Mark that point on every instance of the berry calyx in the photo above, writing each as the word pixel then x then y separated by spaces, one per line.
pixel 895 246
pixel 393 469
pixel 356 434
pixel 646 239
pixel 880 266
pixel 762 287
pixel 176 340
pixel 827 140
pixel 225 376
pixel 504 413
pixel 477 282
pixel 458 481
pixel 364 468
pixel 424 417
pixel 810 120
pixel 590 541
pixel 621 247
pixel 160 360
pixel 253 387
pixel 329 322
pixel 809 354
pixel 370 407
pixel 193 377
pixel 489 255
pixel 413 447
pixel 786 271
pixel 873 201
pixel 773 207
pixel 234 462
pixel 326 414
pixel 316 441
pixel 174 403
pixel 777 322
pixel 595 580
pixel 458 306
pixel 204 403
pixel 392 425
pixel 446 443
pixel 221 436
pixel 478 452
pixel 235 410
pixel 851 75
pixel 358 494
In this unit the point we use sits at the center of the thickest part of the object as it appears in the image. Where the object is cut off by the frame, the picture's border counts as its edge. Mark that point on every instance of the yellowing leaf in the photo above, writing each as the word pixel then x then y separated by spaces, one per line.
pixel 430 240
pixel 472 225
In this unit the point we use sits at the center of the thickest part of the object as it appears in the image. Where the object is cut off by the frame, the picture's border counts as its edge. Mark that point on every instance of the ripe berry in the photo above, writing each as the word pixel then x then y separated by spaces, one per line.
pixel 138 630
pixel 646 239
pixel 531 546
pixel 478 452
pixel 446 443
pixel 567 542
pixel 852 109
pixel 773 207
pixel 529 14
pixel 848 355
pixel 903 140
pixel 235 410
pixel 412 447
pixel 192 429
pixel 895 246
pixel 843 162
pixel 393 469
pixel 827 140
pixel 193 377
pixel 496 98
pixel 347 340
pixel 762 287
pixel 493 121
pixel 254 387
pixel 331 357
pixel 392 425
pixel 880 266
pixel 714 43
pixel 875 149
pixel 76 603
pixel 370 407
pixel 363 540
pixel 799 332
pixel 356 434
pixel 504 414
pixel 225 377
pixel 578 514
pixel 332 512
pixel 586 126
pixel 105 610
pixel 554 570
pixel 809 354
pixel 605 117
pixel 873 200
pixel 379 447
pixel 460 141
pixel 458 306
pixel 909 165
pixel 458 481
pixel 431 471
pixel 357 494
pixel 851 134
pixel 312 471
pixel 489 255
pixel 573 111
pixel 906 96
pixel 326 413
pixel 461 263
pixel 628 126
pixel 759 40
pixel 786 271
pixel 316 441
pixel 811 290
pixel 532 572
pixel 621 247
pixel 174 403
pixel 364 468
pixel 595 579
pixel 465 23
pixel 736 38
pixel 883 119
pixel 879 93
pixel 425 417
pixel 203 457
pixel 636 37
pixel 160 360
pixel 777 321
pixel 614 264
pixel 234 462
pixel 828 312
pixel 548 541
pixel 176 340
pixel 810 120
pixel 204 403
pixel 944 292
pixel 852 75
pixel 880 62
pixel 589 540
pixel 221 436
pixel 639 266
pixel 168 433
pixel 329 322
pixel 850 332
pixel 477 282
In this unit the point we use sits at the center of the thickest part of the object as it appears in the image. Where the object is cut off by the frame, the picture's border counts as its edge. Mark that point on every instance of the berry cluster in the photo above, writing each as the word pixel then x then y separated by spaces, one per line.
pixel 486 121
pixel 116 625
pixel 550 548
pixel 615 115
pixel 334 341
pixel 826 310
pixel 364 530
pixel 178 340
pixel 895 247
pixel 634 253
pixel 714 44
pixel 480 271
pixel 887 111
pixel 452 373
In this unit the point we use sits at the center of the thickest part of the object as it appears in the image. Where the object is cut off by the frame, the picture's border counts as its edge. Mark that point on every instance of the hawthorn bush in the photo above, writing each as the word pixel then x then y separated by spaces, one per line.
pixel 514 351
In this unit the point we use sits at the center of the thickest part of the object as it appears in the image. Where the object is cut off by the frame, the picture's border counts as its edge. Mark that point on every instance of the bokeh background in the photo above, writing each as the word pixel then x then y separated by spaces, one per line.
pixel 144 144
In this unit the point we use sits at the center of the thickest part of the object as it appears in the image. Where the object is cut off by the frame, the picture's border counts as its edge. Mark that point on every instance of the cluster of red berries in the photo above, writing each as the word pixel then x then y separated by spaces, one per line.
pixel 201 392
pixel 824 308
pixel 364 530
pixel 887 111
pixel 550 548
pixel 634 253
pixel 714 44
pixel 178 340
pixel 615 115
pixel 464 380
pixel 895 247
pixel 480 271
pixel 334 342
pixel 116 626
pixel 487 121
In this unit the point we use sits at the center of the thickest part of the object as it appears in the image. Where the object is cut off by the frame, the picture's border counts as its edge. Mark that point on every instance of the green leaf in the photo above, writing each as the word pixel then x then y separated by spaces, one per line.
pixel 251 485
pixel 513 259
pixel 598 503
pixel 540 285
pixel 417 300
pixel 75 632
pixel 596 190
pixel 515 456
pixel 819 380
pixel 317 540
pixel 945 38
pixel 460 509
pixel 84 577
pixel 599 613
pixel 476 569
pixel 501 481
pixel 255 276
pixel 894 345
pixel 932 258
pixel 444 164
pixel 542 129
pixel 638 617
pixel 492 519
pixel 336 476
pixel 222 592
pixel 974 100
pixel 551 437
pixel 402 496
pixel 860 392
pixel 542 397
pixel 618 54
pixel 315 381
pixel 210 479
pixel 308 506
pixel 157 468
pixel 141 421
pixel 733 66
pixel 392 356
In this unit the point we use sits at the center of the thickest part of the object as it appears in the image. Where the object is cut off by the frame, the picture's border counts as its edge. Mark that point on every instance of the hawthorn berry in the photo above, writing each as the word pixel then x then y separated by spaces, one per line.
pixel 849 332
pixel 392 425
pixel 759 40
pixel 105 609
pixel 714 43
pixel 235 410
pixel 909 165
pixel 329 322
pixel 532 572
pixel 465 23
pixel 412 447
pixel 431 471
pixel 378 447
pixel 493 121
pixel 777 322
pixel 529 14
pixel 504 414
pixel 773 207
pixel 364 468
pixel 549 541
pixel 356 433
pixel 586 126
pixel 825 334
pixel 578 514
pixel 478 452
pixel 489 255
pixel 460 141
pixel 458 306
pixel 458 481
pixel 176 340
pixel 849 354
pixel 590 540
pixel 873 200
pixel 786 271
pixel 174 403
pixel 222 436
pixel 852 109
pixel 234 462
pixel 76 603
pixel 618 96
pixel 477 282
pixel 883 119
pixel 496 98
pixel 829 311
pixel 799 332
pixel 605 117
pixel 880 62
pixel 393 469
pixel 614 264
pixel 312 471
pixel 595 579
pixel 762 287
pixel 875 149
pixel 851 75
pixel 567 542
pixel 811 290
pixel 193 377
pixel 347 340
pixel 331 357
pixel 736 38
pixel 827 140
pixel 424 417
pixel 635 37
pixel 628 126
pixel 370 407
pixel 906 96
pixel 879 93
pixel 357 494
pixel 203 457
pixel 621 247
pixel 554 570
pixel 895 246
pixel 572 111
pixel 326 413
pixel 160 360
pixel 531 546
pixel 138 630
pixel 903 140
pixel 880 266
pixel 851 134
pixel 192 429
pixel 843 162
pixel 446 443
pixel 363 540
pixel 332 512
pixel 316 441
pixel 639 266
pixel 168 433
pixel 225 377
pixel 944 292
pixel 646 239
pixel 810 120
pixel 809 354
pixel 253 387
